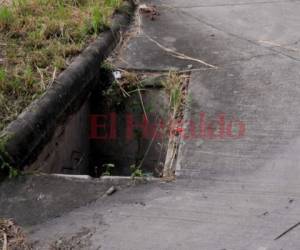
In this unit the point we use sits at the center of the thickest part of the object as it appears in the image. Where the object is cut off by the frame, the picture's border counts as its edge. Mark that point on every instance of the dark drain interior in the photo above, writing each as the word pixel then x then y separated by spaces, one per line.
pixel 128 134
pixel 123 128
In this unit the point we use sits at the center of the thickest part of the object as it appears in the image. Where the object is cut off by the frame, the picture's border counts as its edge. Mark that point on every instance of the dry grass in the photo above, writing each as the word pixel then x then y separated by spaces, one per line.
pixel 38 40
pixel 175 85
pixel 12 237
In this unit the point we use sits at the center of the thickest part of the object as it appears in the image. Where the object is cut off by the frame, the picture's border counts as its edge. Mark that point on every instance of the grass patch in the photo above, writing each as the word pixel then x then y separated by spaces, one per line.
pixel 176 91
pixel 38 39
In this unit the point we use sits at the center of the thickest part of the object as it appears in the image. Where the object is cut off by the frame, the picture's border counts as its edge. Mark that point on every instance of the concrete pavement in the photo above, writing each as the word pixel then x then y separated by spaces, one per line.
pixel 233 194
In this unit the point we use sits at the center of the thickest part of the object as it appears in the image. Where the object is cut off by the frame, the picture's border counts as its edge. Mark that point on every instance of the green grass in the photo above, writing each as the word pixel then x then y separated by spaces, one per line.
pixel 174 87
pixel 37 40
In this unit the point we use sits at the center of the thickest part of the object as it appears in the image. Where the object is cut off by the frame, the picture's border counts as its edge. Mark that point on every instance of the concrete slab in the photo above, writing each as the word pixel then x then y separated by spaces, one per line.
pixel 32 200
pixel 240 192
pixel 236 214
pixel 180 31
pixel 263 93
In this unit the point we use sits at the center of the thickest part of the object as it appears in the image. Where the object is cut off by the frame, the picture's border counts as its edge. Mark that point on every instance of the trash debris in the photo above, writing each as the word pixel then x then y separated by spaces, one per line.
pixel 149 10
pixel 110 191
pixel 117 75
pixel 287 231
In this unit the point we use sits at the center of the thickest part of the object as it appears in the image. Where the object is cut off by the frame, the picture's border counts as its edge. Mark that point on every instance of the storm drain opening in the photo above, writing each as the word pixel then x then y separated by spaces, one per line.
pixel 130 125
pixel 135 124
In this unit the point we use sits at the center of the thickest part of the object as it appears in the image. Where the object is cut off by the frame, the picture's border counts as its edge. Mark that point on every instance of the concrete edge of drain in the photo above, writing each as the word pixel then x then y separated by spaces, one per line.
pixel 181 143
pixel 173 155
pixel 24 137
pixel 109 179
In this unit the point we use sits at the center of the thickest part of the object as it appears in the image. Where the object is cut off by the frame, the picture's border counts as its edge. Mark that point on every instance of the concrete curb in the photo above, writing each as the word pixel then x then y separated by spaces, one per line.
pixel 25 137
pixel 113 180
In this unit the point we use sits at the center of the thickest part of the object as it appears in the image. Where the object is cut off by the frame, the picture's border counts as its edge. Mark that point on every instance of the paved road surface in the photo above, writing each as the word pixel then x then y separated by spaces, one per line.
pixel 233 194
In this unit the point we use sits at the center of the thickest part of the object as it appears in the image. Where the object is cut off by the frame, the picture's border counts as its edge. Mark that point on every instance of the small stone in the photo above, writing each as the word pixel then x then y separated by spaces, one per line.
pixel 111 190
pixel 40 197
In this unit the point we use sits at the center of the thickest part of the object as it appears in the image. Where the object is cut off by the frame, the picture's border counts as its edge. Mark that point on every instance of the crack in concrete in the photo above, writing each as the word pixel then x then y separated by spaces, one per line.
pixel 177 54
pixel 237 36
pixel 286 47
pixel 246 59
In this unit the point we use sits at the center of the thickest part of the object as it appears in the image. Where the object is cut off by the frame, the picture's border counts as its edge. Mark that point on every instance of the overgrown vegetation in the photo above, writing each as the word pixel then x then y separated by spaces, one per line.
pixel 108 168
pixel 38 40
pixel 176 91
pixel 136 171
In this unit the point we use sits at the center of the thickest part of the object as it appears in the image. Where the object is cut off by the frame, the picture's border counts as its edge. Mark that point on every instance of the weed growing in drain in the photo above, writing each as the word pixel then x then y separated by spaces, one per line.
pixel 136 171
pixel 38 40
pixel 108 169
pixel 175 90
